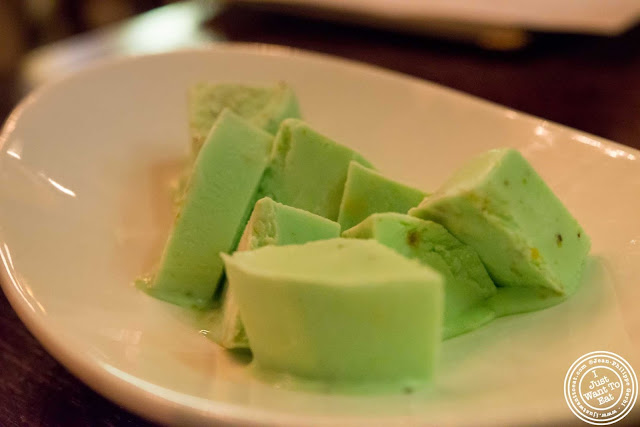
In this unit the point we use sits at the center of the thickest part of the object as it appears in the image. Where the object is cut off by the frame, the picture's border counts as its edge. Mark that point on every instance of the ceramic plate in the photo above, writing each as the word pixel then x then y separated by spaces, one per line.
pixel 85 165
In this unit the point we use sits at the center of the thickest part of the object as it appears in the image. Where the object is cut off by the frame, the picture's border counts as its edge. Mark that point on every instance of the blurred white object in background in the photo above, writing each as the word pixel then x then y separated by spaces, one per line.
pixel 606 17
pixel 171 27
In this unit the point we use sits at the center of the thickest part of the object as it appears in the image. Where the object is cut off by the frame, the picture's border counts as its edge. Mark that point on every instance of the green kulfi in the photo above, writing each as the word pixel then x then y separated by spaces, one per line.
pixel 307 170
pixel 339 312
pixel 271 223
pixel 217 204
pixel 467 283
pixel 524 235
pixel 367 192
pixel 263 107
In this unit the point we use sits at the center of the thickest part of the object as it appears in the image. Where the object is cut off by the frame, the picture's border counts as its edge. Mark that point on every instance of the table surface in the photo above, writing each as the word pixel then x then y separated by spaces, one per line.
pixel 589 83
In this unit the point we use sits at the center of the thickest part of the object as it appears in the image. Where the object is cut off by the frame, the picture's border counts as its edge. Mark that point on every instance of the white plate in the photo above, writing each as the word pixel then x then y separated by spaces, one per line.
pixel 84 208
pixel 584 16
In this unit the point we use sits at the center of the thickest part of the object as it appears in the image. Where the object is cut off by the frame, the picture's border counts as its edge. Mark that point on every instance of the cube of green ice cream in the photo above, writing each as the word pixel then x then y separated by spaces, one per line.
pixel 308 170
pixel 467 283
pixel 367 192
pixel 524 235
pixel 339 313
pixel 217 204
pixel 263 107
pixel 271 223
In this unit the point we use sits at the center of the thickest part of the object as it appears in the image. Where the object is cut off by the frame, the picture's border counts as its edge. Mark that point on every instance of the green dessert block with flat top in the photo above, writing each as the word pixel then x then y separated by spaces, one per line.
pixel 308 170
pixel 367 192
pixel 271 223
pixel 263 107
pixel 467 284
pixel 340 312
pixel 217 203
pixel 525 236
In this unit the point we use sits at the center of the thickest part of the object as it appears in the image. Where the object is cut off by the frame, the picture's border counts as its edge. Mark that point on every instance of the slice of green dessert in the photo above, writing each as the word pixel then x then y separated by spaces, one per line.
pixel 367 192
pixel 525 236
pixel 339 312
pixel 263 107
pixel 274 223
pixel 307 170
pixel 271 223
pixel 467 283
pixel 217 203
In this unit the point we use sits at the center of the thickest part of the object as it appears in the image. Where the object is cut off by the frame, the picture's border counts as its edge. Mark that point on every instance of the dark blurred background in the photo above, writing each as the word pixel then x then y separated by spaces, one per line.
pixel 25 24
pixel 587 81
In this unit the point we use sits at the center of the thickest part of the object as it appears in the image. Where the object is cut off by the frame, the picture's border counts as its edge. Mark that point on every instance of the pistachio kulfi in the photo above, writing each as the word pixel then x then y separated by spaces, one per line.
pixel 468 286
pixel 524 235
pixel 340 312
pixel 307 170
pixel 271 223
pixel 263 107
pixel 217 204
pixel 367 192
